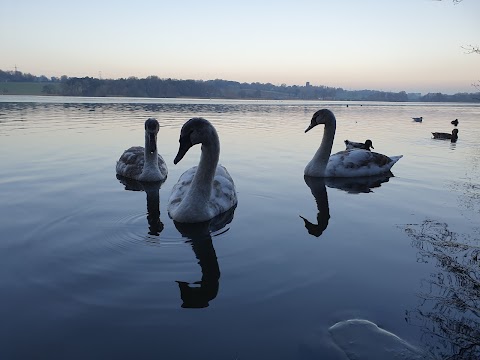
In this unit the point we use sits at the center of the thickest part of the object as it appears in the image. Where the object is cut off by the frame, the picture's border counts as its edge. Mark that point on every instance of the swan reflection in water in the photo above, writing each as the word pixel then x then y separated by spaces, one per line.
pixel 317 186
pixel 152 189
pixel 351 185
pixel 200 293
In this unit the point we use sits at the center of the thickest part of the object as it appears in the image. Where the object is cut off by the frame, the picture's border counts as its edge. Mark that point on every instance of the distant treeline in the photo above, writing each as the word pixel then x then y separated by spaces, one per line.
pixel 155 87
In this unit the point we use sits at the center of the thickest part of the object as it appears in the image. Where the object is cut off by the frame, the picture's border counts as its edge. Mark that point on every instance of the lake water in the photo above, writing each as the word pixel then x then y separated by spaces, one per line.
pixel 86 274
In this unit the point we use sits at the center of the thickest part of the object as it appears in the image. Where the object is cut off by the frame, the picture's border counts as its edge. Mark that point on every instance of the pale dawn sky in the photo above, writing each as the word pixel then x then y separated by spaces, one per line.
pixel 390 45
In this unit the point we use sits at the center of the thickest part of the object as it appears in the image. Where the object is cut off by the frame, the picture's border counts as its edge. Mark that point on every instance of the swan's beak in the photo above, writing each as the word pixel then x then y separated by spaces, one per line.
pixel 185 145
pixel 153 143
pixel 310 127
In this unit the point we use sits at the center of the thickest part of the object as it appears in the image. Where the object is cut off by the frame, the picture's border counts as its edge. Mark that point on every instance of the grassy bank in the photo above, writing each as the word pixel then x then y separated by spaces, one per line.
pixel 23 88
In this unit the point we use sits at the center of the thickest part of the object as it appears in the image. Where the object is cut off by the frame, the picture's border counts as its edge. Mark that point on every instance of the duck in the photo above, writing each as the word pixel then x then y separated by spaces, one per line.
pixel 453 137
pixel 144 164
pixel 454 122
pixel 417 119
pixel 351 145
pixel 347 163
pixel 204 191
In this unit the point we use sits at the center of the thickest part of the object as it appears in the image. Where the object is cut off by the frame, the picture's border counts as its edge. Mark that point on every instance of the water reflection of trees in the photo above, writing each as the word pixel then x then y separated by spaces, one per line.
pixel 449 310
pixel 468 187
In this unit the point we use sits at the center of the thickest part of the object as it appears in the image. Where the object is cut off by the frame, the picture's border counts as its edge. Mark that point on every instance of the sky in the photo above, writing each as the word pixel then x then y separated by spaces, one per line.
pixel 389 45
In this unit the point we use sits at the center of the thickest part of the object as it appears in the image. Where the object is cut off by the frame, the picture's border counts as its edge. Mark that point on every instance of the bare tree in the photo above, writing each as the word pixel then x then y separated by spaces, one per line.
pixel 470 49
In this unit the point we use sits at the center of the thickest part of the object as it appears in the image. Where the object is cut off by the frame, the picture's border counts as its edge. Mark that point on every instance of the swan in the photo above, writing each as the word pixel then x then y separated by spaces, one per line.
pixel 144 164
pixel 206 190
pixel 352 145
pixel 347 163
pixel 446 136
pixel 454 122
pixel 417 119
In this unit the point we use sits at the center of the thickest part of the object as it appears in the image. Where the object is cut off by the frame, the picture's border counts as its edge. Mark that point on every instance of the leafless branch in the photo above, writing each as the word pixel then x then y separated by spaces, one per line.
pixel 470 49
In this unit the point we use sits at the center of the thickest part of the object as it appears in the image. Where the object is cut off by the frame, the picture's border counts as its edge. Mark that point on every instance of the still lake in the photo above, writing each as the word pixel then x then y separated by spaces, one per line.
pixel 86 274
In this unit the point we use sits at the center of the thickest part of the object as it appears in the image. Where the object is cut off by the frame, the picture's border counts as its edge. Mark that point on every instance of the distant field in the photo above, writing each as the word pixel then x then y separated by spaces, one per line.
pixel 23 88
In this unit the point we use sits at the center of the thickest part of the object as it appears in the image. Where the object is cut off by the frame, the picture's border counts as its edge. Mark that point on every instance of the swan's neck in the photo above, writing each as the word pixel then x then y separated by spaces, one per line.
pixel 203 179
pixel 150 157
pixel 150 166
pixel 320 159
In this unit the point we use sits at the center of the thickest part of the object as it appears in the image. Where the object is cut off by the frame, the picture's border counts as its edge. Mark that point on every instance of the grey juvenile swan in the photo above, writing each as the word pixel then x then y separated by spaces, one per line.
pixel 206 190
pixel 144 164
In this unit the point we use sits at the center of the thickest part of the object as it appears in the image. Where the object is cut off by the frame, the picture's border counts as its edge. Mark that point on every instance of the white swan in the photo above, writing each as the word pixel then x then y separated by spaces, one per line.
pixel 206 190
pixel 347 163
pixel 144 164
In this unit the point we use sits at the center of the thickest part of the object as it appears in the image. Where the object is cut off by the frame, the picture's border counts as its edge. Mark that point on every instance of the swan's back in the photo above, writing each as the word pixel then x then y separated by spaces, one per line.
pixel 222 198
pixel 132 162
pixel 358 162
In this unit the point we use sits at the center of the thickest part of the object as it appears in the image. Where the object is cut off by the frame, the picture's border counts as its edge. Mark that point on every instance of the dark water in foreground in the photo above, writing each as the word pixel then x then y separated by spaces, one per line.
pixel 86 274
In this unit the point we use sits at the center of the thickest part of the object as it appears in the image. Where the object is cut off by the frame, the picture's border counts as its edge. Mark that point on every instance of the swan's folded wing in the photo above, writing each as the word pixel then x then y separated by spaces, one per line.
pixel 162 165
pixel 131 162
pixel 224 194
pixel 352 163
pixel 180 188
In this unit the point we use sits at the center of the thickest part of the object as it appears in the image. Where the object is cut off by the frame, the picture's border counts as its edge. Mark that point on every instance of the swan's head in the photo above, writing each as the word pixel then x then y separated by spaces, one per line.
pixel 151 131
pixel 369 144
pixel 323 116
pixel 194 131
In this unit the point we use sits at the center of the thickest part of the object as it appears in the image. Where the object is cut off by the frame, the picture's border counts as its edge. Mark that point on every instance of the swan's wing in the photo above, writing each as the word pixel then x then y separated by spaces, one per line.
pixel 353 163
pixel 131 162
pixel 162 166
pixel 180 188
pixel 224 195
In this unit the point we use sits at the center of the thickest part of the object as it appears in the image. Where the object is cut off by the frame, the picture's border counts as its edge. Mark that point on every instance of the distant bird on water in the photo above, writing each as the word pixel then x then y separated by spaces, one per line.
pixel 453 137
pixel 356 145
pixel 417 119
pixel 454 122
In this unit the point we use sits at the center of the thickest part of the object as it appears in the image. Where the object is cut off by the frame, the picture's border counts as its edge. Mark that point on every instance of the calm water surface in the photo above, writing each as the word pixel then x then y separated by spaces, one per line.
pixel 93 268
